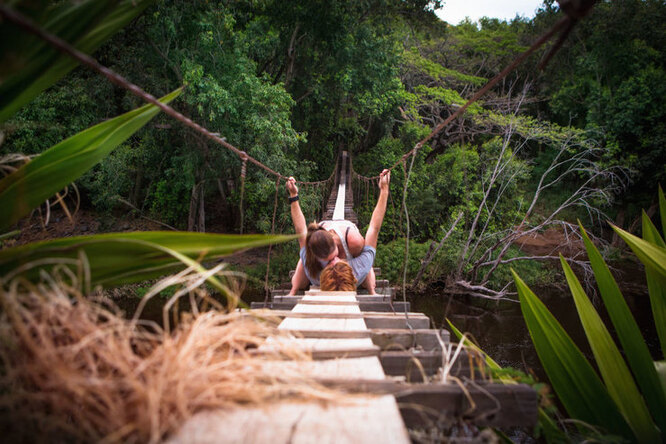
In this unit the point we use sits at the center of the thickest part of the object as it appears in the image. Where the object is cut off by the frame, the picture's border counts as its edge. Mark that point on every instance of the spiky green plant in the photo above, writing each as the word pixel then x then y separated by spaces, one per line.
pixel 629 399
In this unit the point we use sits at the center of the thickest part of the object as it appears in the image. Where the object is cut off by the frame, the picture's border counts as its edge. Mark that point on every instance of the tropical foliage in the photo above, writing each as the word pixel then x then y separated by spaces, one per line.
pixel 629 398
pixel 104 259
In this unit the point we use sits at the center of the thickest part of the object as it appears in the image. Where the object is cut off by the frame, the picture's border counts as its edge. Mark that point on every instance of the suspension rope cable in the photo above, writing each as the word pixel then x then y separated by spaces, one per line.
pixel 270 246
pixel 242 192
pixel 119 80
pixel 406 257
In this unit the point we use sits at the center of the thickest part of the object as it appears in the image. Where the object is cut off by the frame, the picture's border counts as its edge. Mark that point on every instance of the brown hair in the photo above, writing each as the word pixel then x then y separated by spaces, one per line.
pixel 319 243
pixel 338 277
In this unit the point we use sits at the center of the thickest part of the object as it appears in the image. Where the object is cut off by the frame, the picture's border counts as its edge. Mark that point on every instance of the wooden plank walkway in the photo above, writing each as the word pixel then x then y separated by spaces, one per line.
pixel 355 420
pixel 364 344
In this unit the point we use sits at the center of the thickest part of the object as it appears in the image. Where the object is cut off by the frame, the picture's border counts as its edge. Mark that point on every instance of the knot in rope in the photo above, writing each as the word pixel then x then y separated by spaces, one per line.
pixel 244 166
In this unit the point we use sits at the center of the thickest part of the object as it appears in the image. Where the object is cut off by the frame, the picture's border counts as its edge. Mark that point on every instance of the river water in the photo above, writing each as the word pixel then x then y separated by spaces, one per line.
pixel 500 330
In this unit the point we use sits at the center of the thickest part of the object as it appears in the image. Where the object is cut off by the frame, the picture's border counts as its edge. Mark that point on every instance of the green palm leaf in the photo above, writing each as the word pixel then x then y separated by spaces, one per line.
pixel 572 377
pixel 30 65
pixel 120 258
pixel 656 285
pixel 629 334
pixel 651 255
pixel 662 211
pixel 616 375
pixel 48 173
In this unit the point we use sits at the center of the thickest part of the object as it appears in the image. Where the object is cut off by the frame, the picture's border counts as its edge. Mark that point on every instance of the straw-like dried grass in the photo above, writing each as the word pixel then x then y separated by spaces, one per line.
pixel 76 369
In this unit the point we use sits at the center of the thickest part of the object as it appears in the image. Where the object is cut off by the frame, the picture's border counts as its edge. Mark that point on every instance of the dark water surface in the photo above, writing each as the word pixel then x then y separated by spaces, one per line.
pixel 500 330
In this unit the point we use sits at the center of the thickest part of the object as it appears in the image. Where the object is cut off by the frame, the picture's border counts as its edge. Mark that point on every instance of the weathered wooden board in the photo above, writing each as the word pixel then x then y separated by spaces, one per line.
pixel 355 420
pixel 414 364
pixel 329 309
pixel 324 348
pixel 321 324
pixel 400 339
pixel 346 369
pixel 368 314
pixel 384 307
pixel 372 319
pixel 483 403
pixel 387 339
pixel 360 298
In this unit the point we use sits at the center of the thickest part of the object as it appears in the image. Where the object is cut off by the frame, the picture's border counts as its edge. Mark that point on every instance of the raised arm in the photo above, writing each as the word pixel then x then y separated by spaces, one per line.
pixel 300 226
pixel 380 210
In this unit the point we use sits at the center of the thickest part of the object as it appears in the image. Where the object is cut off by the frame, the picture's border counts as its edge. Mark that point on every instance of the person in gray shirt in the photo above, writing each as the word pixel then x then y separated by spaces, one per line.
pixel 325 243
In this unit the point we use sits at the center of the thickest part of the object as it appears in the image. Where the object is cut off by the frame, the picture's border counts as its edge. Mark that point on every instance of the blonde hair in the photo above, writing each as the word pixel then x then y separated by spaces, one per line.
pixel 338 277
pixel 319 243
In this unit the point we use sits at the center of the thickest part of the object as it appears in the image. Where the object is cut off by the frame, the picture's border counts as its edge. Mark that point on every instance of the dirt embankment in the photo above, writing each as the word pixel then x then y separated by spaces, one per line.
pixel 551 242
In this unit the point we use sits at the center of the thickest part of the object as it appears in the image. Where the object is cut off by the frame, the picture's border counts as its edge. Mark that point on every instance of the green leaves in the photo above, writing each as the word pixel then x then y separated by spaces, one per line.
pixel 51 171
pixel 120 258
pixel 577 385
pixel 30 65
pixel 638 355
pixel 644 411
pixel 619 382
pixel 650 255
pixel 656 282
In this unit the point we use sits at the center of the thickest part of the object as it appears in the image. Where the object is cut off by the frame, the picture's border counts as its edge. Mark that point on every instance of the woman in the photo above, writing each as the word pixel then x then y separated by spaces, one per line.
pixel 324 243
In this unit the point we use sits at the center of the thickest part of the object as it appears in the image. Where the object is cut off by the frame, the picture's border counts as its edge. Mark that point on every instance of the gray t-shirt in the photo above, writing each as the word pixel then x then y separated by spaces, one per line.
pixel 360 265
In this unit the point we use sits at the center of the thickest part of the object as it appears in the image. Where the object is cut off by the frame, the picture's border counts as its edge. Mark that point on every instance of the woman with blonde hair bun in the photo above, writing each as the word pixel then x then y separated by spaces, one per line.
pixel 331 241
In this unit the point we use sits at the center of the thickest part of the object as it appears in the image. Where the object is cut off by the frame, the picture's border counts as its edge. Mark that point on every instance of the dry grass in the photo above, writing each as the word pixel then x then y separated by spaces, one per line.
pixel 74 369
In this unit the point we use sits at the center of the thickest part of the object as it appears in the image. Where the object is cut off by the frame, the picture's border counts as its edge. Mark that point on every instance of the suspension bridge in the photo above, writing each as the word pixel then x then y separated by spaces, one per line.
pixel 400 373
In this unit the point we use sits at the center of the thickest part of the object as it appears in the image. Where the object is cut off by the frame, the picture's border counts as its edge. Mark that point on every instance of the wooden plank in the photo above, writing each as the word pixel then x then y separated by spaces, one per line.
pixel 386 339
pixel 349 369
pixel 333 333
pixel 425 339
pixel 372 319
pixel 356 420
pixel 384 307
pixel 415 364
pixel 360 298
pixel 293 323
pixel 492 405
pixel 321 309
pixel 483 403
pixel 387 291
pixel 321 301
pixel 323 348
pixel 329 299
pixel 368 314
pixel 398 321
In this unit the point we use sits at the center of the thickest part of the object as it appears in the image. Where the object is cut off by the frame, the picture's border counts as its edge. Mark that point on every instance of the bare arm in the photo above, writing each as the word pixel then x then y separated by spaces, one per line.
pixel 380 210
pixel 300 226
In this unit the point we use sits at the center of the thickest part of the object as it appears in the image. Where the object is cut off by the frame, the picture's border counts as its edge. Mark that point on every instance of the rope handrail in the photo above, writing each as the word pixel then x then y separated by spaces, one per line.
pixel 119 80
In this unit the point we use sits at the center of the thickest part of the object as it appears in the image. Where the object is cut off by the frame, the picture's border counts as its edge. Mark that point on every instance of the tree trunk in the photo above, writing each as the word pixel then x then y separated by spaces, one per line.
pixel 191 220
pixel 202 212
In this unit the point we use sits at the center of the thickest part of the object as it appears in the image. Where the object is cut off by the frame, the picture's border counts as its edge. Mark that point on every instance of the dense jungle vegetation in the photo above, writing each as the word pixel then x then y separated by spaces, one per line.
pixel 552 155
pixel 292 83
